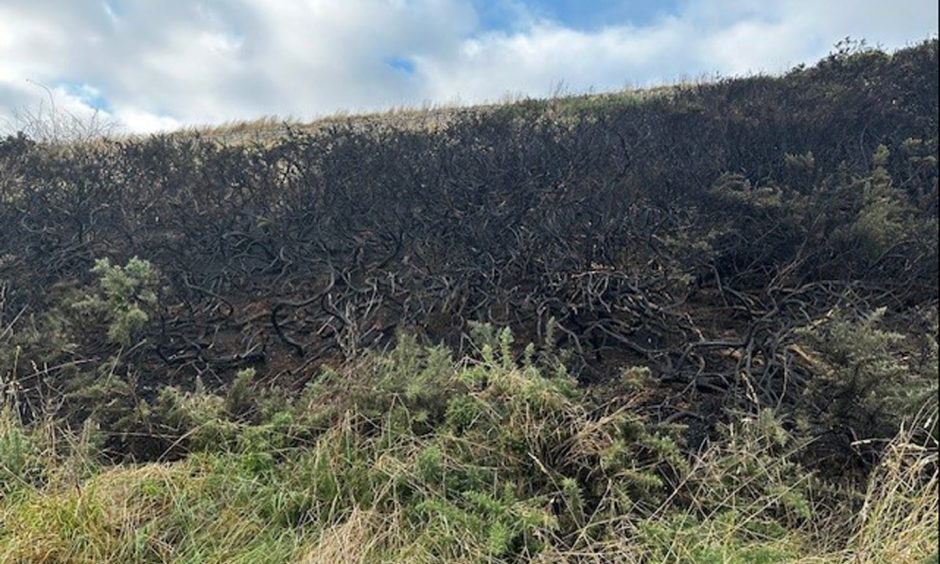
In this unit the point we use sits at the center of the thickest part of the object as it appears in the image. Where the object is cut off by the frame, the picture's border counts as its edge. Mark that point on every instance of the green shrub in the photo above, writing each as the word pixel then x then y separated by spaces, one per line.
pixel 867 379
pixel 22 461
pixel 122 296
pixel 884 215
pixel 367 465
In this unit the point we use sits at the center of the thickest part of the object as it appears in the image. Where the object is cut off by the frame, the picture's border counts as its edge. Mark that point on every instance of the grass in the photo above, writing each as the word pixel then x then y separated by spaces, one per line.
pixel 899 519
pixel 410 456
pixel 562 105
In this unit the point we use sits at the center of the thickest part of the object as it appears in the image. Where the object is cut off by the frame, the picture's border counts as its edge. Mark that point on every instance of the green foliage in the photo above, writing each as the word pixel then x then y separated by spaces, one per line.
pixel 756 464
pixel 411 437
pixel 366 465
pixel 864 380
pixel 729 537
pixel 238 398
pixel 42 456
pixel 737 190
pixel 21 461
pixel 122 297
pixel 884 217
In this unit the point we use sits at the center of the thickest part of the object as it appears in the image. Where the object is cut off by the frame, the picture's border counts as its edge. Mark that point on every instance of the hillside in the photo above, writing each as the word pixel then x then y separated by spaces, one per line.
pixel 692 324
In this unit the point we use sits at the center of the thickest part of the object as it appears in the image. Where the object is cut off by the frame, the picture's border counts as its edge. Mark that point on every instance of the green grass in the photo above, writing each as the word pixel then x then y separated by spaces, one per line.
pixel 412 457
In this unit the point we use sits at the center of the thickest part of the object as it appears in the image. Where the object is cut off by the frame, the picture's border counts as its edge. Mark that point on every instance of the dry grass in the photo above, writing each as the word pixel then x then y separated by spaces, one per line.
pixel 899 520
pixel 420 459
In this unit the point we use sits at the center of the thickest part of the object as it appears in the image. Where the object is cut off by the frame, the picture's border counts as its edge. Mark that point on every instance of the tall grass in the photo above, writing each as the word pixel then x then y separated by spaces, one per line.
pixel 412 457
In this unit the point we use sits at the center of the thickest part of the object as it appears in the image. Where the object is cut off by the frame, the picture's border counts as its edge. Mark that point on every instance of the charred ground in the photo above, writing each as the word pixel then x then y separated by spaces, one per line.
pixel 692 233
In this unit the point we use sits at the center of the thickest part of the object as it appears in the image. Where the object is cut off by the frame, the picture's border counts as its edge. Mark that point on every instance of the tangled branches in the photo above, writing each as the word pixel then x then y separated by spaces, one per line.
pixel 691 233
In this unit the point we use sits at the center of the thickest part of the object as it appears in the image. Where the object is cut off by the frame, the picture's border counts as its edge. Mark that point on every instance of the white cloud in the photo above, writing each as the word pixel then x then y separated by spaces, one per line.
pixel 161 63
pixel 137 120
pixel 728 37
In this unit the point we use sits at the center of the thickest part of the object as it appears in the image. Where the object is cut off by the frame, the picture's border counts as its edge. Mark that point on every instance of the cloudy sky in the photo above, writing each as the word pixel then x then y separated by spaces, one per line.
pixel 160 64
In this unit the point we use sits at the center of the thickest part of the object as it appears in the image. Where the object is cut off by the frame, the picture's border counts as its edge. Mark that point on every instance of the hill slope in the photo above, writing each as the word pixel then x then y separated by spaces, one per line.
pixel 739 274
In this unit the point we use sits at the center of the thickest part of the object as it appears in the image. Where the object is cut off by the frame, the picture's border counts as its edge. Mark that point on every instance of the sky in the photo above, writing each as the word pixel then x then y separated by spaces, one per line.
pixel 152 65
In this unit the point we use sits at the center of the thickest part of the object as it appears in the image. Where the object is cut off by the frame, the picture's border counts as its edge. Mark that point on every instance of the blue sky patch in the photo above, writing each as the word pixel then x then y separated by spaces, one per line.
pixel 584 15
pixel 401 64
pixel 88 94
pixel 113 8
